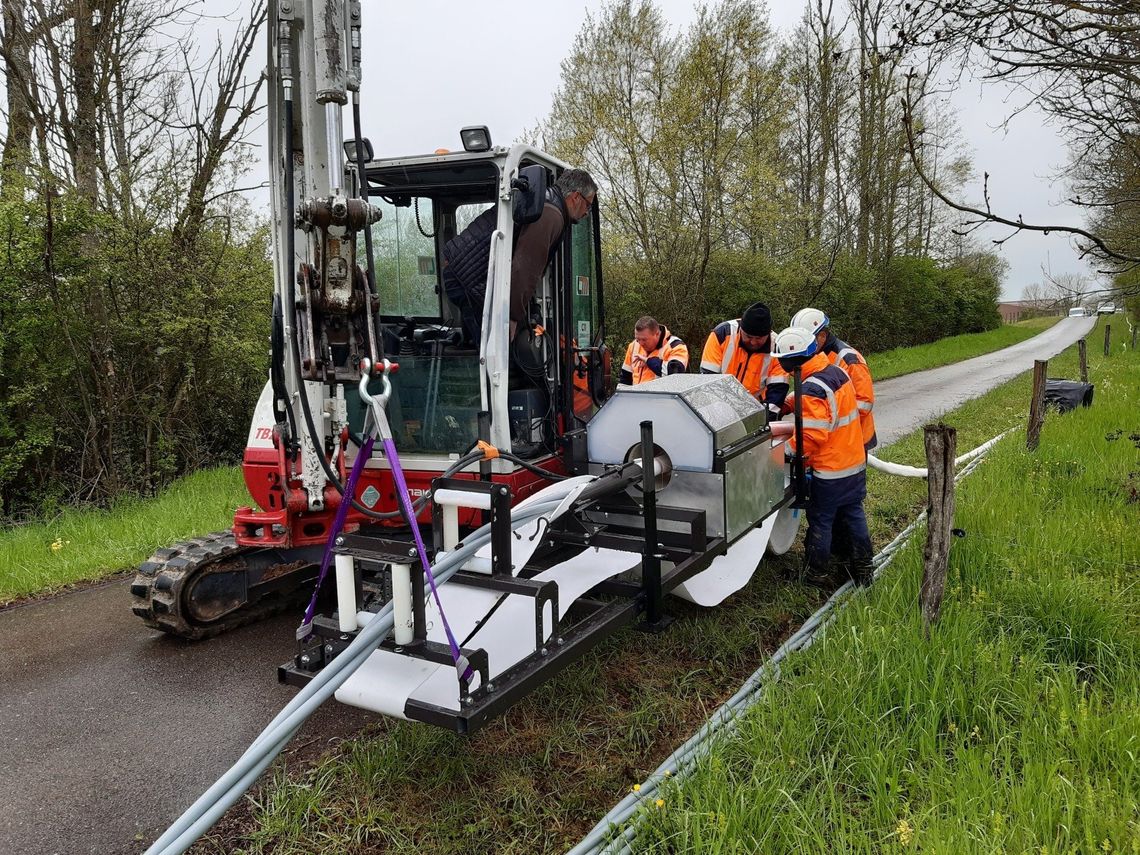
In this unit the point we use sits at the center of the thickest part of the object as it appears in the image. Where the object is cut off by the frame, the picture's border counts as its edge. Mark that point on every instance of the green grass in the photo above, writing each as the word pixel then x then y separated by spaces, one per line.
pixel 539 777
pixel 906 360
pixel 1015 728
pixel 86 544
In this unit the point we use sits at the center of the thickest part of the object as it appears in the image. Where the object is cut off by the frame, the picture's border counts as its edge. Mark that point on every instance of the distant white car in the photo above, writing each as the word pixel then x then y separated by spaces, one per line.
pixel 1106 308
pixel 1077 312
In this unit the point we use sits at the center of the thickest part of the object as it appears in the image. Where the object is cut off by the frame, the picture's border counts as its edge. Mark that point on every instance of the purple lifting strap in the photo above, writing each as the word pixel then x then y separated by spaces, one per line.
pixel 305 630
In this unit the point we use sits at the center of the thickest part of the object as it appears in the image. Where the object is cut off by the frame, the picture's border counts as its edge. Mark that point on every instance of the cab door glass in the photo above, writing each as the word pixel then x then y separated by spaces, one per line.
pixel 585 320
pixel 407 269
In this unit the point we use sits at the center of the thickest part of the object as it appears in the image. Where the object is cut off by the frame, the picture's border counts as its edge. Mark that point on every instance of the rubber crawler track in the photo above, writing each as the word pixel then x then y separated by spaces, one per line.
pixel 158 590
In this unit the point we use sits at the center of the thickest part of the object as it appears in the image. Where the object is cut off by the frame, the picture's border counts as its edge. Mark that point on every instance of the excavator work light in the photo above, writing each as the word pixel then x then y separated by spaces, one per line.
pixel 476 138
pixel 365 147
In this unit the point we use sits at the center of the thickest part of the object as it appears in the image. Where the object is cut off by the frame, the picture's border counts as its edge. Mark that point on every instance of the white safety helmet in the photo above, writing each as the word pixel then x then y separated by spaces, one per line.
pixel 812 320
pixel 795 343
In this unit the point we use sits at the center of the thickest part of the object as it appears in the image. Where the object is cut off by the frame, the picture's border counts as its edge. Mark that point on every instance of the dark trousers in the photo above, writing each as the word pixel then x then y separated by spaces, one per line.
pixel 837 504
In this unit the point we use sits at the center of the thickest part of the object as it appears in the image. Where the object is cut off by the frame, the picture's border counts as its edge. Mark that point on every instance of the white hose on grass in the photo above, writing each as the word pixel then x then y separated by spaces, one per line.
pixel 921 471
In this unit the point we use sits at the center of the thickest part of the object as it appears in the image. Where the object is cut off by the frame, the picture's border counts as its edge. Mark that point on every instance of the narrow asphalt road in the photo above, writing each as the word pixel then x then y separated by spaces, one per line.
pixel 110 730
pixel 905 403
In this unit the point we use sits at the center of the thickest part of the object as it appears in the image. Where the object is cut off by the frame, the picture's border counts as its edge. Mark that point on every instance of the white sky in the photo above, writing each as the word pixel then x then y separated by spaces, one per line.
pixel 433 66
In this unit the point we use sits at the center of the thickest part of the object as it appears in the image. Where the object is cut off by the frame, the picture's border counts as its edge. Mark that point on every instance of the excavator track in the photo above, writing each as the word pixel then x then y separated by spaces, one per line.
pixel 209 585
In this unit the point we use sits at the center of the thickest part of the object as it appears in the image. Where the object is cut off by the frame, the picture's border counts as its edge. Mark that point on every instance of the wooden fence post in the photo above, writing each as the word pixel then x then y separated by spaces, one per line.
pixel 941 444
pixel 1107 337
pixel 1082 350
pixel 1037 404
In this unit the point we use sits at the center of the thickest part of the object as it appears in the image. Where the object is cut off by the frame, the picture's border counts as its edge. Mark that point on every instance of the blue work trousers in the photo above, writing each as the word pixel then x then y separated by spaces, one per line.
pixel 835 504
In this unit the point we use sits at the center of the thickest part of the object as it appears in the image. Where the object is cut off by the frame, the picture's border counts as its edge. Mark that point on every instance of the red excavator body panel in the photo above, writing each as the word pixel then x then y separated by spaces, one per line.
pixel 285 521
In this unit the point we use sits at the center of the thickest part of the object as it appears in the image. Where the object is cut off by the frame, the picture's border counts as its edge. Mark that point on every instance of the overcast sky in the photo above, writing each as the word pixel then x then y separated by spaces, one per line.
pixel 433 66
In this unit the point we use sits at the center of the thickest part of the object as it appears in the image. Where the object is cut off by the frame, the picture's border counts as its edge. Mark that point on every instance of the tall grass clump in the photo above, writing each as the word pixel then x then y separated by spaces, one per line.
pixel 1014 728
pixel 86 544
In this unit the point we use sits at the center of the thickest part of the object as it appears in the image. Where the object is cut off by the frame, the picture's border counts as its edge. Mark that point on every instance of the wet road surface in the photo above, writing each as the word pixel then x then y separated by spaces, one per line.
pixel 905 403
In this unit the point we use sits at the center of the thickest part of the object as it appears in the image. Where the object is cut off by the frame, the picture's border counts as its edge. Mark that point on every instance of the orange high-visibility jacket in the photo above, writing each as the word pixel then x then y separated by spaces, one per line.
pixel 855 366
pixel 833 439
pixel 760 373
pixel 672 352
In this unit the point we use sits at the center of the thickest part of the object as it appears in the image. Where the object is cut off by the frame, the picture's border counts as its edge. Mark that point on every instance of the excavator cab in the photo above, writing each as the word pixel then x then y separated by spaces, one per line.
pixel 554 376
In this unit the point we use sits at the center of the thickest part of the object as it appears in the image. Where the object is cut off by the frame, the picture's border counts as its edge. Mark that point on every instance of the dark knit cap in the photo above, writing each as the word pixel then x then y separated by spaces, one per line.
pixel 756 320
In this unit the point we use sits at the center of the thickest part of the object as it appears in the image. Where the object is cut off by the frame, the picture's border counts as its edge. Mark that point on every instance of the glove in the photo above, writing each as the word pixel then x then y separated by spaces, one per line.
pixel 654 364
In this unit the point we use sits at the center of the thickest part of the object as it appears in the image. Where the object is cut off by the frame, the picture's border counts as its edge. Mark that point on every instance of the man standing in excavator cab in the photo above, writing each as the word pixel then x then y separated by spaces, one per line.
pixel 743 348
pixel 654 352
pixel 465 256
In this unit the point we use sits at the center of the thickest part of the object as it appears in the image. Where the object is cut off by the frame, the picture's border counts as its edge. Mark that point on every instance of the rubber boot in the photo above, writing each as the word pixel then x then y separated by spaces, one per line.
pixel 820 577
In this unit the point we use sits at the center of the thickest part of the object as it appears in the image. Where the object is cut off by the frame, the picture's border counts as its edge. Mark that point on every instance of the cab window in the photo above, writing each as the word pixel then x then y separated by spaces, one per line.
pixel 404 248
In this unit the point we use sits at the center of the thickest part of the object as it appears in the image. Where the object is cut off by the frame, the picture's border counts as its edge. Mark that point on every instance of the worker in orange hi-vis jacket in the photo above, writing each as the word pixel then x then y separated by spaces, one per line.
pixel 843 355
pixel 654 352
pixel 834 454
pixel 743 348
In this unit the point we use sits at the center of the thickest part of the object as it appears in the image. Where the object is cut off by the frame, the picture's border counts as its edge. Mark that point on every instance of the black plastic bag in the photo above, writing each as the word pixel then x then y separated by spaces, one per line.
pixel 1067 395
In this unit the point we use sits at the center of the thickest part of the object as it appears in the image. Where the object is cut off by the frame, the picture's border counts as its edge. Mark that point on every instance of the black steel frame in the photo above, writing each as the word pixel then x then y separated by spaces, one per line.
pixel 616 521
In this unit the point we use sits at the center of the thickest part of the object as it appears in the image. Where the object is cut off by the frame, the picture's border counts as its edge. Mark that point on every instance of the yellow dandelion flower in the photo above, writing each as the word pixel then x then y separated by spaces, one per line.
pixel 58 544
pixel 636 788
pixel 660 803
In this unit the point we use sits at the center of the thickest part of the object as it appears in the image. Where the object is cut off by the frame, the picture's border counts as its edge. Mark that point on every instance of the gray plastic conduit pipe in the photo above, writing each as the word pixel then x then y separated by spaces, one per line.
pixel 200 816
pixel 608 836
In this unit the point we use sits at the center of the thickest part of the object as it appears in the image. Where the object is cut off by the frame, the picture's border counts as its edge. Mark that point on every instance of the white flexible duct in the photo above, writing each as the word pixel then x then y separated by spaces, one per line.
pixel 921 471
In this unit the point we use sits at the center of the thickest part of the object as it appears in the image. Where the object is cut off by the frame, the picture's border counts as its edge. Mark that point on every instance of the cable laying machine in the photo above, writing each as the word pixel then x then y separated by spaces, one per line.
pixel 685 491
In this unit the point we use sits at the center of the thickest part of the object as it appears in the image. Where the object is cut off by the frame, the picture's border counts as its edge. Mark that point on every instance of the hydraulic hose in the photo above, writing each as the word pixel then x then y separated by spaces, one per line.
pixel 530 467
pixel 200 816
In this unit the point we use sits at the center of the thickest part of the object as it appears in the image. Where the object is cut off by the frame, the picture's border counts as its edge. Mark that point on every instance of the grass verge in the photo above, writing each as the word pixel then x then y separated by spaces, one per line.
pixel 87 544
pixel 906 360
pixel 1014 728
pixel 537 778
